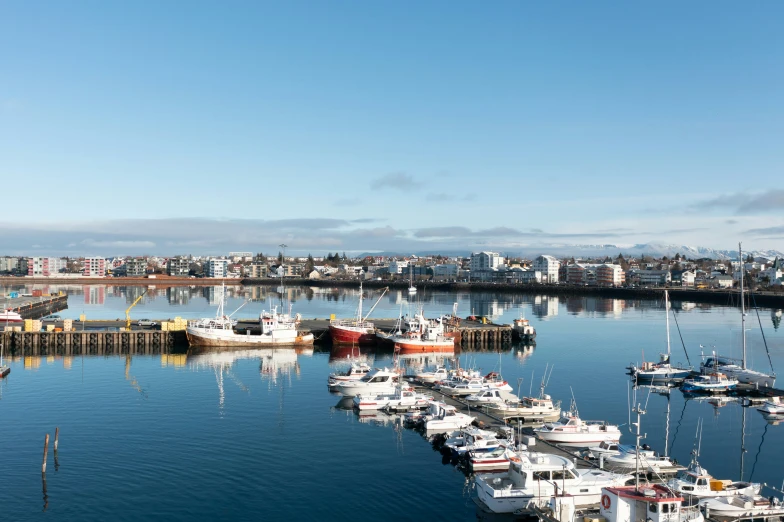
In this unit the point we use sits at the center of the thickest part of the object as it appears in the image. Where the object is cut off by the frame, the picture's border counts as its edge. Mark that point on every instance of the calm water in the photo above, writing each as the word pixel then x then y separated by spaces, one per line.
pixel 256 435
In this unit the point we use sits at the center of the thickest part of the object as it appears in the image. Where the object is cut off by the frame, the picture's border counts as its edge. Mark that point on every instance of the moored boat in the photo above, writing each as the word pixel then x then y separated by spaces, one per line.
pixel 743 507
pixel 9 316
pixel 715 382
pixel 571 429
pixel 357 330
pixel 382 381
pixel 772 406
pixel 354 373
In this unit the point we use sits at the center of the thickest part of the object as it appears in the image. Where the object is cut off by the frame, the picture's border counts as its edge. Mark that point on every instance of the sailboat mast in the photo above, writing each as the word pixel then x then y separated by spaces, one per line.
pixel 359 310
pixel 667 315
pixel 742 307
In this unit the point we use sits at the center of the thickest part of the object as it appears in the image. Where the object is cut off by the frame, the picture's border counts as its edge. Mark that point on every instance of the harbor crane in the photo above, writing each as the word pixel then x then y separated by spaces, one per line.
pixel 128 311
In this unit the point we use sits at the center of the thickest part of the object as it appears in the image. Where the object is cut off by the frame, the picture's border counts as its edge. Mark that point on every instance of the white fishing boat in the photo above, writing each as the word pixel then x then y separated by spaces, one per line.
pixel 533 478
pixel 354 373
pixel 381 381
pixel 445 417
pixel 649 461
pixel 737 369
pixel 662 372
pixel 772 406
pixel 716 382
pixel 404 397
pixel 571 429
pixel 438 374
pixel 276 329
pixel 743 507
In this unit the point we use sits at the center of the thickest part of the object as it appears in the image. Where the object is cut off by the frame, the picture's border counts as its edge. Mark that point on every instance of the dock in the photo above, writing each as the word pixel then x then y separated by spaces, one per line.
pixel 34 306
pixel 92 342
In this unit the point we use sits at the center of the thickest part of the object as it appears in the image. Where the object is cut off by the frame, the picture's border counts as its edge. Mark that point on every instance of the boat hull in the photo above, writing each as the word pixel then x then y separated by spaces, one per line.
pixel 342 335
pixel 223 339
pixel 415 346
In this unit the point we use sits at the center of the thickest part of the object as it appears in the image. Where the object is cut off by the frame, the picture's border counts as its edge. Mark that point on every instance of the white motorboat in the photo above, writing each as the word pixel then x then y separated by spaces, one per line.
pixel 381 381
pixel 743 507
pixel 605 449
pixel 571 429
pixel 650 503
pixel 695 481
pixel 354 373
pixel 404 397
pixel 716 382
pixel 9 316
pixel 446 418
pixel 471 439
pixel 533 478
pixel 772 406
pixel 438 374
pixel 649 461
pixel 737 369
pixel 494 380
pixel 496 459
pixel 464 387
pixel 662 372
pixel 486 396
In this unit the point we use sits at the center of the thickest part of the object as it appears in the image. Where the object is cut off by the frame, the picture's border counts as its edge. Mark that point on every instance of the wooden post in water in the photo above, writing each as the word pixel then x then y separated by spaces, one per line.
pixel 46 450
pixel 56 438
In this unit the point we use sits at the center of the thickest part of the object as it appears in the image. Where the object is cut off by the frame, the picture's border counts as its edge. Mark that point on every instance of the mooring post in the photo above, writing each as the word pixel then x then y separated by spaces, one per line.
pixel 46 450
pixel 56 438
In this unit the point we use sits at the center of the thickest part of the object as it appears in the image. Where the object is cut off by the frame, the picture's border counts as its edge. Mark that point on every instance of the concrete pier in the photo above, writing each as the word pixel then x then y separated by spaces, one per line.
pixel 91 342
pixel 34 307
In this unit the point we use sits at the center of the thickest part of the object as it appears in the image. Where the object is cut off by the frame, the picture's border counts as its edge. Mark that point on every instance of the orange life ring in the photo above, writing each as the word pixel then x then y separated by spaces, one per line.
pixel 605 502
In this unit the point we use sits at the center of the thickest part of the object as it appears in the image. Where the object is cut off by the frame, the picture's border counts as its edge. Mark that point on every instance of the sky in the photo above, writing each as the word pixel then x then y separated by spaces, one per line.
pixel 147 127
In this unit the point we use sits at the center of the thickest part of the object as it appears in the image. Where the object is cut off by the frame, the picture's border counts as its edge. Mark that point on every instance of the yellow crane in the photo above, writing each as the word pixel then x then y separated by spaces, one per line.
pixel 128 311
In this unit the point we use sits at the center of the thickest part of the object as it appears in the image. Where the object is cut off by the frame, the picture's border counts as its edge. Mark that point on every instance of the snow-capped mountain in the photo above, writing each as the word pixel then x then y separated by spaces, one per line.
pixel 655 250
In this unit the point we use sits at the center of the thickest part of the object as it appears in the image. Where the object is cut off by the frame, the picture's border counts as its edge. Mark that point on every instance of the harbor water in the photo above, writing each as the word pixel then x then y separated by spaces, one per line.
pixel 256 435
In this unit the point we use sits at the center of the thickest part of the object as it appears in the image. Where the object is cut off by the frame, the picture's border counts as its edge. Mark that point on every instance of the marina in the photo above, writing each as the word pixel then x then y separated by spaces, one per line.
pixel 277 391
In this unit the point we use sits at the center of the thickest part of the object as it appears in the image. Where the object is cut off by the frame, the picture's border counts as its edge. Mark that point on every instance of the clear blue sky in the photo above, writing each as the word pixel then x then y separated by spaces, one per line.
pixel 168 127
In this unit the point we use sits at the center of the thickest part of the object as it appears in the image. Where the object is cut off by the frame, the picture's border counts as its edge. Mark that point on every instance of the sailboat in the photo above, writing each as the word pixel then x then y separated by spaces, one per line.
pixel 730 367
pixel 661 372
pixel 411 288
pixel 357 330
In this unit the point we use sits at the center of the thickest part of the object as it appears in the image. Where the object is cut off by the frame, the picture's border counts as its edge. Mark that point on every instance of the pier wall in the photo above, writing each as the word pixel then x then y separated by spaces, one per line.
pixel 89 342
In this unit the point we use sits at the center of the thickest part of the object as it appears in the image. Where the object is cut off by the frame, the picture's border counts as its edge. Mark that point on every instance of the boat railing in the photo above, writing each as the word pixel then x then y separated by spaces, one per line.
pixel 352 322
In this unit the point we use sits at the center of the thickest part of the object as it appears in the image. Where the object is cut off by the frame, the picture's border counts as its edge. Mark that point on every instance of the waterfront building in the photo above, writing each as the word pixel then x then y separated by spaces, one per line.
pixel 655 277
pixel 216 268
pixel 178 266
pixel 485 261
pixel 135 267
pixel 94 267
pixel 549 267
pixel 528 276
pixel 445 271
pixel 45 266
pixel 8 264
pixel 258 270
pixel 683 278
pixel 721 281
pixel 610 275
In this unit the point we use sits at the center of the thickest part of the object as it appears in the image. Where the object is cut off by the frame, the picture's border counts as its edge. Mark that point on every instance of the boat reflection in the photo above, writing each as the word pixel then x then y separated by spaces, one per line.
pixel 773 419
pixel 524 351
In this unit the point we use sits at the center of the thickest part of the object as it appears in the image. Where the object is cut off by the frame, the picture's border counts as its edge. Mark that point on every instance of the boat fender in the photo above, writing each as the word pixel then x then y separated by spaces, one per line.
pixel 605 502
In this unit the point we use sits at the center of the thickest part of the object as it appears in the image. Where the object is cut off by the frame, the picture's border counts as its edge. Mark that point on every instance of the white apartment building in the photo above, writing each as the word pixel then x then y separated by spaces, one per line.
pixel 45 266
pixel 548 266
pixel 446 270
pixel 610 275
pixel 8 264
pixel 216 268
pixel 485 261
pixel 94 267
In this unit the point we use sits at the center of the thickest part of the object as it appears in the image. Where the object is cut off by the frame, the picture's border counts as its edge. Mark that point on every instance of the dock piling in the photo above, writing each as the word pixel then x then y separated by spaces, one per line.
pixel 56 438
pixel 46 451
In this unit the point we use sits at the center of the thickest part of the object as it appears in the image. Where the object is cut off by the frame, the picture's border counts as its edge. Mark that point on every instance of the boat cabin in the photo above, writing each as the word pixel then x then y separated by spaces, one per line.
pixel 651 503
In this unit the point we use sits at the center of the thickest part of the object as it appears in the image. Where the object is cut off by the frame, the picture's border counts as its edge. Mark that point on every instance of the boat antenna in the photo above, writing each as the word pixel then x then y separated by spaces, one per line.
pixel 550 375
pixel 639 411
pixel 762 331
pixel 675 316
pixel 629 404
pixel 574 403
pixel 531 387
